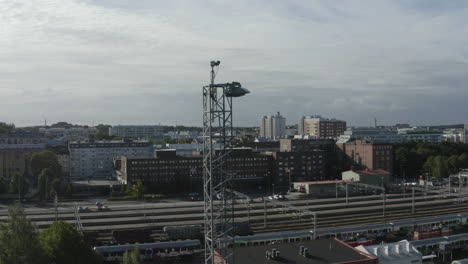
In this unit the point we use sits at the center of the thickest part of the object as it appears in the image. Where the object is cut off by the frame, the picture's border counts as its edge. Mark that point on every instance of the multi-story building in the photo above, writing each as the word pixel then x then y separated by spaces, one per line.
pixel 303 160
pixel 273 127
pixel 91 160
pixel 16 149
pixel 15 159
pixel 321 127
pixel 379 134
pixel 78 132
pixel 140 132
pixel 465 134
pixel 170 172
pixel 22 137
pixel 366 154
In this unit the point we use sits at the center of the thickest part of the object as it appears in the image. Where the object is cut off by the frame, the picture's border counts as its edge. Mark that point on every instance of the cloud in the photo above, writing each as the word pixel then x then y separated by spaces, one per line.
pixel 145 61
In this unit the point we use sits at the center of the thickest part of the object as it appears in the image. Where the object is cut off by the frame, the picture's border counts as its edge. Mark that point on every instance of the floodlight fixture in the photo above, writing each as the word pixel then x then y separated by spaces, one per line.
pixel 235 89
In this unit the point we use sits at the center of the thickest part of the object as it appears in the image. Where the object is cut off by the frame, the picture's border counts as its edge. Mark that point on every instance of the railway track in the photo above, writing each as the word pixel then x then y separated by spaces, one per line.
pixel 331 212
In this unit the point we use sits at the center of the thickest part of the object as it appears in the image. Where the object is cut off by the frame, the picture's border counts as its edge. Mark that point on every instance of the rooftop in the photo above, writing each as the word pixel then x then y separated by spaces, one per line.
pixel 325 182
pixel 373 172
pixel 318 252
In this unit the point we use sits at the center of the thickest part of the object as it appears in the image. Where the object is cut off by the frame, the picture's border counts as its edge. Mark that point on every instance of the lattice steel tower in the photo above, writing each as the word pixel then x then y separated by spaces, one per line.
pixel 217 128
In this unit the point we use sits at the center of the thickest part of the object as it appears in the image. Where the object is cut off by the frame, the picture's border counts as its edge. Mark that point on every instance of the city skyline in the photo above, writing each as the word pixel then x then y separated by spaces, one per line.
pixel 122 62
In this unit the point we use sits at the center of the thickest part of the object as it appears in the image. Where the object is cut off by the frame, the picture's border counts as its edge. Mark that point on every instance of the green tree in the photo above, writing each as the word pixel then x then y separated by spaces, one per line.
pixel 453 164
pixel 6 128
pixel 44 184
pixel 132 257
pixel 138 190
pixel 47 169
pixel 18 184
pixel 18 240
pixel 63 245
pixel 45 160
pixel 69 189
pixel 439 167
pixel 463 161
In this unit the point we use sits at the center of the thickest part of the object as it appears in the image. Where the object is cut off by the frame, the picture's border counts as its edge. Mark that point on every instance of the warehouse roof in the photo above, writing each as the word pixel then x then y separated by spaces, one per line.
pixel 319 252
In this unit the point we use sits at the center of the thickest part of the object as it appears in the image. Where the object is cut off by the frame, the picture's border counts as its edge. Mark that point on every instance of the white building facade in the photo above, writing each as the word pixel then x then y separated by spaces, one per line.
pixel 82 132
pixel 140 132
pixel 273 127
pixel 465 134
pixel 94 160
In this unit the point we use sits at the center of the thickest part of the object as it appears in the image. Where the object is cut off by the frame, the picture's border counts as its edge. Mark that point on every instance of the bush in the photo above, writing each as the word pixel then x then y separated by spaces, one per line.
pixel 154 196
pixel 122 198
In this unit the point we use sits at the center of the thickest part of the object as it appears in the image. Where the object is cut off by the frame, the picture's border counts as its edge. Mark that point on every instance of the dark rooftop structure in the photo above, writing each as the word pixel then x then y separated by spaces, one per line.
pixel 320 251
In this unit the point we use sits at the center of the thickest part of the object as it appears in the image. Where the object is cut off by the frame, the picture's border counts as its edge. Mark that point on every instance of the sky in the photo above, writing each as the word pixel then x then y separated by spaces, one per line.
pixel 145 62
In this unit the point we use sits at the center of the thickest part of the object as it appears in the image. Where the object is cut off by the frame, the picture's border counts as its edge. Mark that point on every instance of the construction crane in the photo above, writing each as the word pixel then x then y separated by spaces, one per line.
pixel 217 128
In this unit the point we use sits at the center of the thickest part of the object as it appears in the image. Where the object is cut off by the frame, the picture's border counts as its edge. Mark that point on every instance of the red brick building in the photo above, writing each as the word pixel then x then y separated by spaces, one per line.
pixel 367 154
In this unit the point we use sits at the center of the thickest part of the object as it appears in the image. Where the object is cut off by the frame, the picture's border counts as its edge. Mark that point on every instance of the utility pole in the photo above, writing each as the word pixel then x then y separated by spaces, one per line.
pixel 56 206
pixel 346 187
pixel 336 190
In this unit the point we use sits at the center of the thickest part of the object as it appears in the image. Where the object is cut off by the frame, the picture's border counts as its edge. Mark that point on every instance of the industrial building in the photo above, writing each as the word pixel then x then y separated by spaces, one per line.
pixel 321 251
pixel 321 127
pixel 401 252
pixel 372 177
pixel 320 188
pixel 171 172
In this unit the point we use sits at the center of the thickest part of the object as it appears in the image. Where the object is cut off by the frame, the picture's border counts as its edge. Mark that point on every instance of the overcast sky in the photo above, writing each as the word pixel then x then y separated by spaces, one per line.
pixel 144 62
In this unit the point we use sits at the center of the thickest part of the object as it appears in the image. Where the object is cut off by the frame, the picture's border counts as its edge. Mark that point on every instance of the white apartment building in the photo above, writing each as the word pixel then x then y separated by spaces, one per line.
pixel 94 160
pixel 82 132
pixel 141 132
pixel 465 134
pixel 321 127
pixel 273 127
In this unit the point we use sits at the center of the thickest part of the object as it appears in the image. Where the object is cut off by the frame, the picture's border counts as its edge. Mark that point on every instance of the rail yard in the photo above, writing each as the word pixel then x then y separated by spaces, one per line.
pixel 331 212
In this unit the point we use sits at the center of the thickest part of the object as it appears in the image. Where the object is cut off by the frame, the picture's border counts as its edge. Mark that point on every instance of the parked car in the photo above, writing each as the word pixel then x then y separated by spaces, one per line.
pixel 83 209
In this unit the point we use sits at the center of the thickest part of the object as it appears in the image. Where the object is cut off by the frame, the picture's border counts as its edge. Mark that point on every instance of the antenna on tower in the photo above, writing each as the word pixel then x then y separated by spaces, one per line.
pixel 375 122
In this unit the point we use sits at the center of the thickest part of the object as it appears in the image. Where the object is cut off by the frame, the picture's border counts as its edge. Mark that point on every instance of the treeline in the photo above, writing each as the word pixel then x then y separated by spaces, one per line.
pixel 20 242
pixel 61 243
pixel 6 128
pixel 439 160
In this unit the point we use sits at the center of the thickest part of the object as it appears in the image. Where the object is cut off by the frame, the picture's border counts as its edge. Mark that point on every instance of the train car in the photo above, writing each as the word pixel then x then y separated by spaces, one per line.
pixel 459 241
pixel 346 233
pixel 151 251
pixel 184 232
pixel 426 246
pixel 267 239
pixel 451 221
pixel 464 219
pixel 460 261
